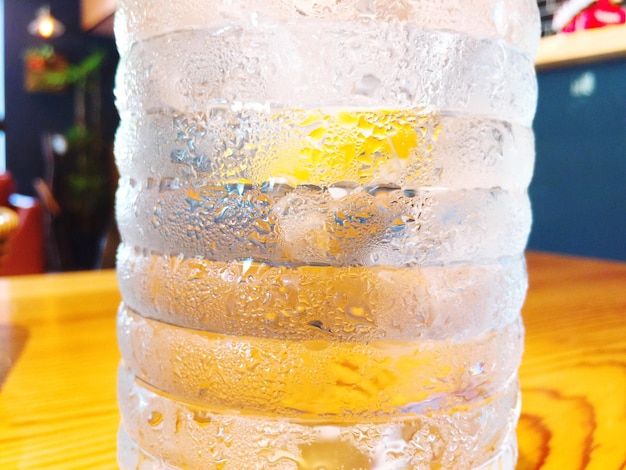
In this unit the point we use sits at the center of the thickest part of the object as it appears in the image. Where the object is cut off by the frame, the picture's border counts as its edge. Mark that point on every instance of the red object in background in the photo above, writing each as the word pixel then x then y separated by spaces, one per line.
pixel 601 13
pixel 26 247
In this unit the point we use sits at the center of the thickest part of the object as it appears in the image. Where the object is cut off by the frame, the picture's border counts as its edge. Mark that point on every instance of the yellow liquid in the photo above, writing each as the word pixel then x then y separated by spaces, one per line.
pixel 324 147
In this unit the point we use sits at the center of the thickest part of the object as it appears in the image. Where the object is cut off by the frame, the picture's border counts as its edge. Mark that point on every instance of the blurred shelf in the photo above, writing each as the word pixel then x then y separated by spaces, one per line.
pixel 96 16
pixel 582 47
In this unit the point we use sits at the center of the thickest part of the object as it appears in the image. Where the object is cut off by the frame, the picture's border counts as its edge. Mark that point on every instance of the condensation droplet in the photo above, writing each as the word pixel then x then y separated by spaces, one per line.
pixel 155 419
pixel 367 85
pixel 202 418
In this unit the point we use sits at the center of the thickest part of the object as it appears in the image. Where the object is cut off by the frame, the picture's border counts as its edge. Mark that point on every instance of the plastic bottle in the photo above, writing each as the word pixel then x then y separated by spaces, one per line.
pixel 323 211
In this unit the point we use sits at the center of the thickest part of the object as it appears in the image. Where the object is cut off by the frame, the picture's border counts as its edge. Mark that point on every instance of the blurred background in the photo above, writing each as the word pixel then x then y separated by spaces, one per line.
pixel 58 119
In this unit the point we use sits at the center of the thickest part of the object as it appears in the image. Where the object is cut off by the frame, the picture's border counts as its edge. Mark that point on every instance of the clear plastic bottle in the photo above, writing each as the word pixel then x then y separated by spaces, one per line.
pixel 323 212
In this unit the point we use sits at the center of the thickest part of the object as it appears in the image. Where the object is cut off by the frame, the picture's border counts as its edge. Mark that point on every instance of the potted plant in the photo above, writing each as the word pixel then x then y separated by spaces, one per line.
pixel 81 167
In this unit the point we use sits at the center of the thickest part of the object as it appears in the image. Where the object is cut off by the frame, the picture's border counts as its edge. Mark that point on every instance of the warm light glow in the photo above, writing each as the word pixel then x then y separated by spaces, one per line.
pixel 45 25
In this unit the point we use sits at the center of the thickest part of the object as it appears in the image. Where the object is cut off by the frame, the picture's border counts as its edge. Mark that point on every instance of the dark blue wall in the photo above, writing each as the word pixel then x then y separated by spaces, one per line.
pixel 28 115
pixel 579 187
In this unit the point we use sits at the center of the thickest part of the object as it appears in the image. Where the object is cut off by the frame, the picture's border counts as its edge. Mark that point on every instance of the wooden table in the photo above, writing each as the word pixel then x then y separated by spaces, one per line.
pixel 58 407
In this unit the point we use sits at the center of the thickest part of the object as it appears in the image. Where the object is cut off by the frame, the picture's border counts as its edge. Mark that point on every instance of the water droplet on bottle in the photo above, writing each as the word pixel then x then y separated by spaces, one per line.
pixel 477 369
pixel 202 418
pixel 397 224
pixel 367 85
pixel 155 419
pixel 382 189
pixel 166 184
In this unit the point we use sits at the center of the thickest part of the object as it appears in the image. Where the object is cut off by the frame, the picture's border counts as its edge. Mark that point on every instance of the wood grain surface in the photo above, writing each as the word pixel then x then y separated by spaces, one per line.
pixel 58 407
pixel 573 373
